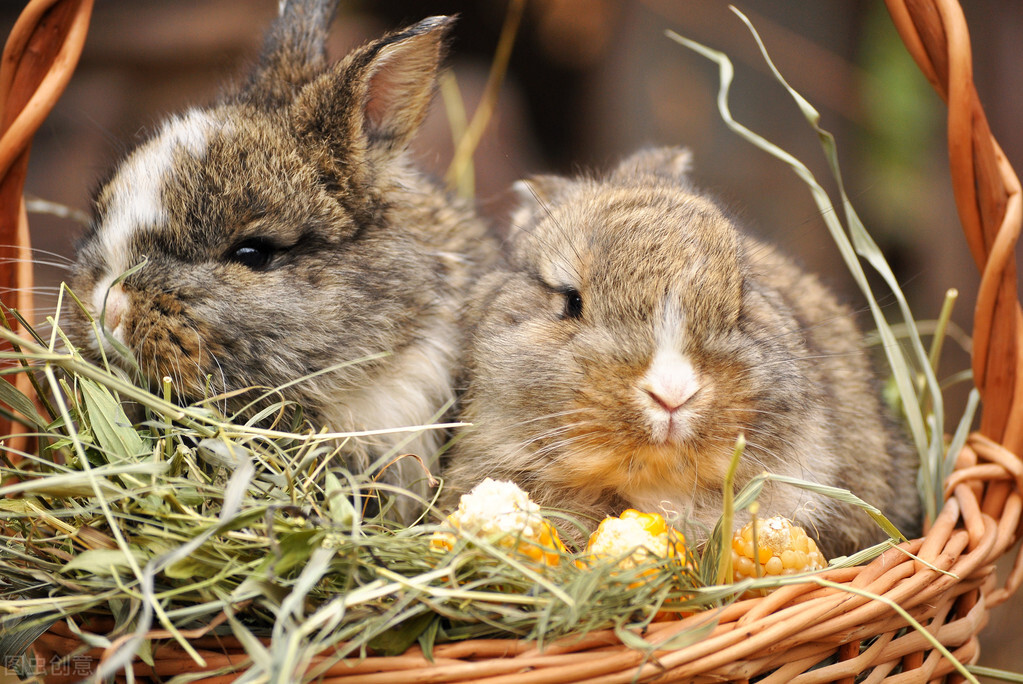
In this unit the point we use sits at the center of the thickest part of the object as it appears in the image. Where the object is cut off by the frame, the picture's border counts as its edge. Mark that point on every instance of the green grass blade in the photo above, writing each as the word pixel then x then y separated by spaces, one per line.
pixel 902 371
pixel 111 426
pixel 13 397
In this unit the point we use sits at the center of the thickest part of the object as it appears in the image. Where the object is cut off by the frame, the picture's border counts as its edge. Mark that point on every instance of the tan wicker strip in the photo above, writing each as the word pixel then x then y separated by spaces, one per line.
pixel 38 60
pixel 988 198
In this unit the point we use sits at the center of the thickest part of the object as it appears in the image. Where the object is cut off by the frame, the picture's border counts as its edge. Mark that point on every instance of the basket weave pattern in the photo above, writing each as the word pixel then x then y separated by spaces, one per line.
pixel 949 589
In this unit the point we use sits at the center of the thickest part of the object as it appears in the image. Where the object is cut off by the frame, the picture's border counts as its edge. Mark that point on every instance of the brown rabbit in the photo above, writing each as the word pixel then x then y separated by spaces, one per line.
pixel 286 240
pixel 636 333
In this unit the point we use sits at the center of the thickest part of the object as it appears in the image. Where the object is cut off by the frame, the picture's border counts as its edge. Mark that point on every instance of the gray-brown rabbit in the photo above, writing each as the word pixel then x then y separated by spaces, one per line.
pixel 287 240
pixel 635 334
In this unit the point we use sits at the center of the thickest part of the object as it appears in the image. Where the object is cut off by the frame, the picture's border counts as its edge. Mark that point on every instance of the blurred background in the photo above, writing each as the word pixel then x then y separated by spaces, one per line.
pixel 589 82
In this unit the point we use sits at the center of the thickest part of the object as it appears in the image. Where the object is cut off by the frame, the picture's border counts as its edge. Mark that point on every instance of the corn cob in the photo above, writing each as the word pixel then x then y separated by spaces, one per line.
pixel 646 535
pixel 781 549
pixel 502 514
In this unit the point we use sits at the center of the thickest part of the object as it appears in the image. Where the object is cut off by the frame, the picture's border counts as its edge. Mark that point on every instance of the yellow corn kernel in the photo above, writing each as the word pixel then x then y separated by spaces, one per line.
pixel 646 535
pixel 501 513
pixel 781 547
pixel 633 538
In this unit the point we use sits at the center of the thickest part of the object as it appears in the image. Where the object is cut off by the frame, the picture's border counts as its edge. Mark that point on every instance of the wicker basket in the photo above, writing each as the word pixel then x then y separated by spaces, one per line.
pixel 786 636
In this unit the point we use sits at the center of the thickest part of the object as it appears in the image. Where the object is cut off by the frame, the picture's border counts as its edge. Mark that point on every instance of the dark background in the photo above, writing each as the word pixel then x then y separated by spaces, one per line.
pixel 590 81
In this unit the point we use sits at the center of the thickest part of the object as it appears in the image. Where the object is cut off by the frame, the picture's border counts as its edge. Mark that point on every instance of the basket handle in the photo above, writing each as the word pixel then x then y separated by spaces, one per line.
pixel 38 59
pixel 988 199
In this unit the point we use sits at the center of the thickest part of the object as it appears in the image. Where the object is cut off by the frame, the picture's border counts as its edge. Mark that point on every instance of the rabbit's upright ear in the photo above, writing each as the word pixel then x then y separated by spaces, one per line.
pixel 294 53
pixel 673 163
pixel 536 194
pixel 535 197
pixel 375 98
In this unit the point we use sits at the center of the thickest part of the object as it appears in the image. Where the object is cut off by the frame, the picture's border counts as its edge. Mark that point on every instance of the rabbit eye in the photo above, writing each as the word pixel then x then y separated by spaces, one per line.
pixel 573 304
pixel 254 254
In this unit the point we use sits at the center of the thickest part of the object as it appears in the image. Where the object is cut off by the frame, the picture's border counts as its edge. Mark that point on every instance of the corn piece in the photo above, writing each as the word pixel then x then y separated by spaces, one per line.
pixel 632 539
pixel 781 547
pixel 500 512
pixel 646 535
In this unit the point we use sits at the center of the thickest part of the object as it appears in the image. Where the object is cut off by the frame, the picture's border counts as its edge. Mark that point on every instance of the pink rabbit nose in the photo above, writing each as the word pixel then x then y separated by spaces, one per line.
pixel 670 402
pixel 670 381
pixel 116 305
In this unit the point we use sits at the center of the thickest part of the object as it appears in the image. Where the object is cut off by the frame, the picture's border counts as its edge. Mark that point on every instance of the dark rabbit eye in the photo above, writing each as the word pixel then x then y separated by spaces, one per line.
pixel 573 304
pixel 254 254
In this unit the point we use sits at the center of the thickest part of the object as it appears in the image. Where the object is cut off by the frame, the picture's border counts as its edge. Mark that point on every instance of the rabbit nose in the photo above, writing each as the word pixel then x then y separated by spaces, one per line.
pixel 116 305
pixel 669 403
pixel 670 381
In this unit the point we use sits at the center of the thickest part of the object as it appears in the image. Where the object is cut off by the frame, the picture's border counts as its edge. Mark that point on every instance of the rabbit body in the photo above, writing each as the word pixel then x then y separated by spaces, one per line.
pixel 286 240
pixel 635 333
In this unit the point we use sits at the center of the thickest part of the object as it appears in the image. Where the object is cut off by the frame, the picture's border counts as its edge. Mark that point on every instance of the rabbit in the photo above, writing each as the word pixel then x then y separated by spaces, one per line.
pixel 284 239
pixel 635 332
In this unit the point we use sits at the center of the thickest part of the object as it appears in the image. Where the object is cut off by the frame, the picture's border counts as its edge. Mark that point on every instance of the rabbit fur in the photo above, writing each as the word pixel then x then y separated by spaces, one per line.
pixel 287 241
pixel 636 332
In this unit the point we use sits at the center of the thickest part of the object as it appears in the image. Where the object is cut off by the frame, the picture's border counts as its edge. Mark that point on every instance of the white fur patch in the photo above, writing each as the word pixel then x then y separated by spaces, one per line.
pixel 136 201
pixel 409 394
pixel 670 380
pixel 668 329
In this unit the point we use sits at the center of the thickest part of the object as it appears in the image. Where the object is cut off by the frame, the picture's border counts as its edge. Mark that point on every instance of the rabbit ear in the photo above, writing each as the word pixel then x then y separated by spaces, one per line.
pixel 537 193
pixel 376 98
pixel 534 198
pixel 294 52
pixel 669 162
pixel 402 79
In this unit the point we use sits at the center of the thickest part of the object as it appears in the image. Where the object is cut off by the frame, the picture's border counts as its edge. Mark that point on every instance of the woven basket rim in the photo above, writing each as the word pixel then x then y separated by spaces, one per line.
pixel 944 579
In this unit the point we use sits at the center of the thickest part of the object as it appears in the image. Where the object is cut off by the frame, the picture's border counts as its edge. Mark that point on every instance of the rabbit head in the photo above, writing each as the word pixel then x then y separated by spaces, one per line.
pixel 281 238
pixel 637 333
